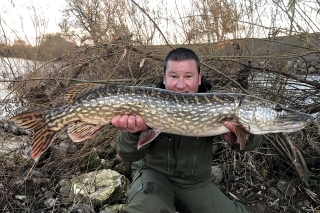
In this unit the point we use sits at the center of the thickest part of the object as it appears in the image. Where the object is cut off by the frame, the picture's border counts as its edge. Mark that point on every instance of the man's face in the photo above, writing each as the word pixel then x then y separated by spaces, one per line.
pixel 182 76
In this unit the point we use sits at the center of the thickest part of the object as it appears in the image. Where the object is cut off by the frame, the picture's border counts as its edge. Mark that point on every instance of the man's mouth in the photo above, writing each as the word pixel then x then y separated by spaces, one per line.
pixel 179 91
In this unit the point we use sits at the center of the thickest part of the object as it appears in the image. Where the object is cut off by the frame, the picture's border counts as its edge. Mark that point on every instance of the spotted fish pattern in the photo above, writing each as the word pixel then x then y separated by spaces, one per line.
pixel 92 106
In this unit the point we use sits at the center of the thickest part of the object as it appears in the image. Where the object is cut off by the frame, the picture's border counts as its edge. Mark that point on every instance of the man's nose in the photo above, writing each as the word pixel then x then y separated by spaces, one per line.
pixel 181 83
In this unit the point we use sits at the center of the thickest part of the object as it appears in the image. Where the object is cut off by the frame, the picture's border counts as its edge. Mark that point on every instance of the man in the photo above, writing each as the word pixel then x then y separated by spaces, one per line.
pixel 173 172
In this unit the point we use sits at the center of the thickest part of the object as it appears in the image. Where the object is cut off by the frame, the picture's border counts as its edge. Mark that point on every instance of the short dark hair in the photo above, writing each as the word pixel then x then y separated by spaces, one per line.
pixel 181 54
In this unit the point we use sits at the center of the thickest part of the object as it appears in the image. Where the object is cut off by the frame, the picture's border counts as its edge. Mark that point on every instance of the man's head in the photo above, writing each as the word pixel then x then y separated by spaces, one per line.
pixel 182 71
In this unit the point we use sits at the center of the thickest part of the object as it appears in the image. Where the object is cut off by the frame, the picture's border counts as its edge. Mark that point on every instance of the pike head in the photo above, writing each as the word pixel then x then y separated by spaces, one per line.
pixel 259 116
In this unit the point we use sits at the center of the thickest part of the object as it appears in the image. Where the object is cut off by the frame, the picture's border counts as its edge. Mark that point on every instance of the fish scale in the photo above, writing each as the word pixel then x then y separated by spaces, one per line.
pixel 92 106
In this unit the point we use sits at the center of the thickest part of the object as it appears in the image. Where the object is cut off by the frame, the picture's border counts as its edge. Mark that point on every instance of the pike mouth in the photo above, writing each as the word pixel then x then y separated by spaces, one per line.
pixel 296 117
pixel 285 126
pixel 285 123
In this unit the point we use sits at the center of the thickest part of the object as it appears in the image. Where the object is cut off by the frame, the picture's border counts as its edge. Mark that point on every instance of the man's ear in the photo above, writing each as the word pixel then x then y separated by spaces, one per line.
pixel 164 79
pixel 200 77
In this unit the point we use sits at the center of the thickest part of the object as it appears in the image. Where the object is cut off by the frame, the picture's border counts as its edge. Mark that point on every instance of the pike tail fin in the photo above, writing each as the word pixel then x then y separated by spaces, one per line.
pixel 30 120
pixel 43 135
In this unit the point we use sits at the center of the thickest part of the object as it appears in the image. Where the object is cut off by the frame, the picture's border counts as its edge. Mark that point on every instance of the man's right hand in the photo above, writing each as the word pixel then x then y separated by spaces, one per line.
pixel 129 123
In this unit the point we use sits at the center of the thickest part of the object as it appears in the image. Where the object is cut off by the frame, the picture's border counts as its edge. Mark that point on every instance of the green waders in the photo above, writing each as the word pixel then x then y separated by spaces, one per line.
pixel 152 192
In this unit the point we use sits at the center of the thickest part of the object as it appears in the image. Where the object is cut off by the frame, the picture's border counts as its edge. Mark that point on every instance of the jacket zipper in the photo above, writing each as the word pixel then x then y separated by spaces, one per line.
pixel 169 144
pixel 195 156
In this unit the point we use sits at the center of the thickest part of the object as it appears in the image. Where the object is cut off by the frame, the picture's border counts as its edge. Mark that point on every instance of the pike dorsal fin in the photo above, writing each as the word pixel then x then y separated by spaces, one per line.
pixel 79 89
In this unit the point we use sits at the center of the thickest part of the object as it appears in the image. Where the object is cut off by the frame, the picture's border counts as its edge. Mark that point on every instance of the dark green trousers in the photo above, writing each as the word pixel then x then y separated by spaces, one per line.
pixel 152 192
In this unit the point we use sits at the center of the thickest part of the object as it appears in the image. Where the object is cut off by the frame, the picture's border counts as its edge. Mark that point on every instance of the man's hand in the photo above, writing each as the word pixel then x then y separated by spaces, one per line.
pixel 236 132
pixel 129 123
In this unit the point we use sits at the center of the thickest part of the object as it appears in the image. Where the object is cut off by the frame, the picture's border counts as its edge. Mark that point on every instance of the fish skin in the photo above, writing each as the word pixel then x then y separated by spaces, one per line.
pixel 92 106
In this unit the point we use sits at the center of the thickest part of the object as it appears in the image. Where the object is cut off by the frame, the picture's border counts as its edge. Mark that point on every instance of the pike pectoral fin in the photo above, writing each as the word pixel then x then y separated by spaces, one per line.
pixel 147 136
pixel 230 138
pixel 81 131
pixel 241 136
pixel 237 135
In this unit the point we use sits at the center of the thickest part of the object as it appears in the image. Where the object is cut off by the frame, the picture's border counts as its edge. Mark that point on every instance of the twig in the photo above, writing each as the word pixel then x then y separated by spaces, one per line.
pixel 143 10
pixel 122 57
pixel 303 172
pixel 68 79
pixel 224 75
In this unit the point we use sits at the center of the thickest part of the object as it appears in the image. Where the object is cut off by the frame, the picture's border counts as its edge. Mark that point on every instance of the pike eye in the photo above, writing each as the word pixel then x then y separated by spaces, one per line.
pixel 278 108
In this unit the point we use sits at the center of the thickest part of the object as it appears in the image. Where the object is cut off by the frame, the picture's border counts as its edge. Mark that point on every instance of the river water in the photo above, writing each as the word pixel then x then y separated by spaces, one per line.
pixel 12 68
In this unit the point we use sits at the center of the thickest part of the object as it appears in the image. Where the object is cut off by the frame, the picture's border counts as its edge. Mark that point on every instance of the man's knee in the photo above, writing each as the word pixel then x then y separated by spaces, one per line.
pixel 149 197
pixel 149 203
pixel 150 192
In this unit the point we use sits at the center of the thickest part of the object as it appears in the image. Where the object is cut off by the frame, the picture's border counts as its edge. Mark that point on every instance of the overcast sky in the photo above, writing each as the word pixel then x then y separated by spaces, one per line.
pixel 19 15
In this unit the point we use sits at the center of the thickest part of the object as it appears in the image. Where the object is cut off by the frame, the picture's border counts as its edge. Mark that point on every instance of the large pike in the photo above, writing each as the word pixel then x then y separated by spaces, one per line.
pixel 92 106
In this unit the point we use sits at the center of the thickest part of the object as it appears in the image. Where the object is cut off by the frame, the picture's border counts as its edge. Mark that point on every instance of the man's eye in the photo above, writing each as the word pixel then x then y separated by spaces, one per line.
pixel 173 76
pixel 189 76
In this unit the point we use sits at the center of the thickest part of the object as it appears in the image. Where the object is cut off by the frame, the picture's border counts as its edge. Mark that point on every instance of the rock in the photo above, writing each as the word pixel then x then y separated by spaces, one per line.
pixel 90 162
pixel 218 173
pixel 60 151
pixel 107 164
pixel 50 202
pixel 49 194
pixel 255 208
pixel 63 136
pixel 11 145
pixel 112 209
pixel 99 187
pixel 311 70
pixel 35 179
pixel 274 194
pixel 64 145
pixel 81 208
pixel 108 152
pixel 286 188
pixel 215 148
pixel 313 63
pixel 124 168
pixel 23 198
pixel 72 149
pixel 26 152
pixel 304 203
pixel 65 187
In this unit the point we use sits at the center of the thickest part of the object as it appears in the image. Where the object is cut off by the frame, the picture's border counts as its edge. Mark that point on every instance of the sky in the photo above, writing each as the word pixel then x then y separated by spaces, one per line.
pixel 19 16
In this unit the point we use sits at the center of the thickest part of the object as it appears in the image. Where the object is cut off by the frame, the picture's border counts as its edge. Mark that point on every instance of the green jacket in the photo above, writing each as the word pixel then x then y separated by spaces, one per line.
pixel 180 158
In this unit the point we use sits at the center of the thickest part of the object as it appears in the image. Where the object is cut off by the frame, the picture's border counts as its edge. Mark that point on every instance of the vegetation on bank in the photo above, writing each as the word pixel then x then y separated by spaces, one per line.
pixel 52 46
